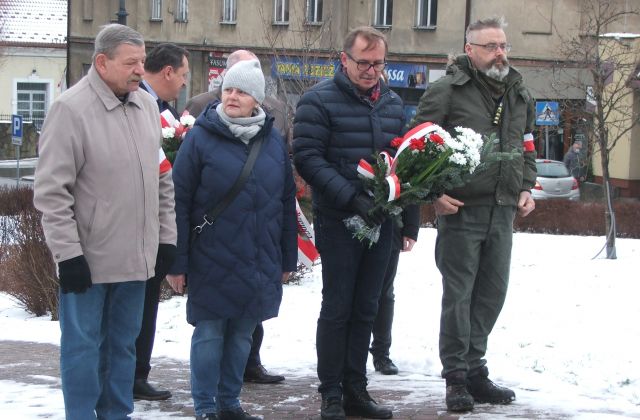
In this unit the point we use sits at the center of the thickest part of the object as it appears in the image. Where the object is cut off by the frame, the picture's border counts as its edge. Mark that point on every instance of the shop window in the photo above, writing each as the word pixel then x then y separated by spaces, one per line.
pixel 383 13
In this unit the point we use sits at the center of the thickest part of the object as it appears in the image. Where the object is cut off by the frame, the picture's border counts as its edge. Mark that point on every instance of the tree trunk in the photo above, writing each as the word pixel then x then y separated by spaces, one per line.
pixel 609 214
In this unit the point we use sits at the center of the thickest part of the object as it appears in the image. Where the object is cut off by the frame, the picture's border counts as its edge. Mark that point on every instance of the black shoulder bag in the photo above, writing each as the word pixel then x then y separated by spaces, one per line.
pixel 211 216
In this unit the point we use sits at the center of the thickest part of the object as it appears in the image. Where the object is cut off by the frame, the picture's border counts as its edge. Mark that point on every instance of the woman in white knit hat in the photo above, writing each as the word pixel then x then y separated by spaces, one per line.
pixel 236 264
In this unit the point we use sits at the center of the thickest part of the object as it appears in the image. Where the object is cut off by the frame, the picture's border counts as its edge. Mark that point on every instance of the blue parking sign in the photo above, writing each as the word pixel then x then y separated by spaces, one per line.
pixel 547 113
pixel 16 130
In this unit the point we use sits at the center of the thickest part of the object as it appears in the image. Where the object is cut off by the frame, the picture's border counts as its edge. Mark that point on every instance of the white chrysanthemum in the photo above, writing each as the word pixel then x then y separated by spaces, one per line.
pixel 168 132
pixel 458 158
pixel 187 120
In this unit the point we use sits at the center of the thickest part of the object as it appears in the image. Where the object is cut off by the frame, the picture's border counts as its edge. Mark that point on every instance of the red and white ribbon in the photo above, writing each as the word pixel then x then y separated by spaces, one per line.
pixel 165 165
pixel 528 144
pixel 307 252
pixel 168 120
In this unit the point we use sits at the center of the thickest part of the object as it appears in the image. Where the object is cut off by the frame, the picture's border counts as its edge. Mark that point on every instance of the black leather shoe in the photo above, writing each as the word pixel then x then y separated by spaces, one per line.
pixel 483 390
pixel 142 390
pixel 385 366
pixel 357 402
pixel 259 375
pixel 331 409
pixel 458 398
pixel 207 416
pixel 236 414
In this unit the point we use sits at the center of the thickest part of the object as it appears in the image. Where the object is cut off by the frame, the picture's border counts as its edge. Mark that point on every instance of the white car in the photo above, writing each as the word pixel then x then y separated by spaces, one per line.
pixel 554 181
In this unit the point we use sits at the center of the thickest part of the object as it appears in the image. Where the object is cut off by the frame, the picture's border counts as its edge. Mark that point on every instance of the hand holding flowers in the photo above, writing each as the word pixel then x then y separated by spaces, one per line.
pixel 428 162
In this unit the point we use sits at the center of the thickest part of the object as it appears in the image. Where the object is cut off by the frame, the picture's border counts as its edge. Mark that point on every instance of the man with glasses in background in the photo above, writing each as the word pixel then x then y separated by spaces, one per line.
pixel 475 222
pixel 337 123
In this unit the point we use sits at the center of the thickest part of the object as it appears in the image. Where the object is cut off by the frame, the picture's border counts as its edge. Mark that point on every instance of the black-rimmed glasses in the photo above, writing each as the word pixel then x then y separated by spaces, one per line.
pixel 365 65
pixel 493 47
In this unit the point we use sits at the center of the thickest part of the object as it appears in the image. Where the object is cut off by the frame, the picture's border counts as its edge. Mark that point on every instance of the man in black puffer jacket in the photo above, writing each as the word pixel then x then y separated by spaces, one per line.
pixel 337 123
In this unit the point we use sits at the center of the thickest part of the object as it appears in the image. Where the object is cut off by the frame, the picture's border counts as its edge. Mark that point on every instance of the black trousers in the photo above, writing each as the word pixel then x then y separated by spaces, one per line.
pixel 352 277
pixel 383 323
pixel 144 342
pixel 254 354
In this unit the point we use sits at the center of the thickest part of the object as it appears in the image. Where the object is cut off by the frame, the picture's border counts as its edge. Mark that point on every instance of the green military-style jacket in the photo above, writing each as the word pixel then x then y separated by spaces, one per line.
pixel 460 98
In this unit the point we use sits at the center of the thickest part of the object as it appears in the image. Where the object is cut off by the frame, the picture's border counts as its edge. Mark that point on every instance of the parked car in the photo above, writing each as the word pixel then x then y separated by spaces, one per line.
pixel 554 181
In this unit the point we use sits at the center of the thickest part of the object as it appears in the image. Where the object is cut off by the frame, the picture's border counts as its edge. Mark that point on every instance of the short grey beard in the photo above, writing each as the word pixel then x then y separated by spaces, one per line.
pixel 496 73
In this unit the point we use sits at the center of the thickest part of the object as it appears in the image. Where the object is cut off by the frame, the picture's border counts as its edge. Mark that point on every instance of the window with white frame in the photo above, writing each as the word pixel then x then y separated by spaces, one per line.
pixel 31 101
pixel 383 13
pixel 281 11
pixel 314 11
pixel 427 13
pixel 182 10
pixel 229 11
pixel 156 9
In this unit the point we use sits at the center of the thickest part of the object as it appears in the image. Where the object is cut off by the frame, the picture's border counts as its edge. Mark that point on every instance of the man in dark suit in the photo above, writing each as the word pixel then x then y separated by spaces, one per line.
pixel 254 371
pixel 166 72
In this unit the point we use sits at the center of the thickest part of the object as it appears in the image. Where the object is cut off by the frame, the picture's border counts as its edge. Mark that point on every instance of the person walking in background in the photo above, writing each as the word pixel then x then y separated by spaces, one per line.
pixel 483 92
pixel 166 72
pixel 574 161
pixel 254 371
pixel 105 208
pixel 235 284
pixel 403 241
pixel 337 123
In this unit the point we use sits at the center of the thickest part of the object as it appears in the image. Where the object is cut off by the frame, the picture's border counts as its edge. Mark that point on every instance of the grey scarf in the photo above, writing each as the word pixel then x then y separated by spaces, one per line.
pixel 243 128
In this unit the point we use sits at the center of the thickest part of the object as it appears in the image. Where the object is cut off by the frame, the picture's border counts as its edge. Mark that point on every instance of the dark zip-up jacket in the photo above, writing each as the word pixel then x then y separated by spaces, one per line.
pixel 333 129
pixel 460 98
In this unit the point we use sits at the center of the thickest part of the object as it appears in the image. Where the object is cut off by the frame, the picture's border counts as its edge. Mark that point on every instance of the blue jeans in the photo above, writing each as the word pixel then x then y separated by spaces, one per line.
pixel 219 351
pixel 97 349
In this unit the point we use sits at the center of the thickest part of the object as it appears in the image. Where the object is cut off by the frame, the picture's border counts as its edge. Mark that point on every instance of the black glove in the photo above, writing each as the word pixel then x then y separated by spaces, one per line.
pixel 74 275
pixel 363 205
pixel 165 258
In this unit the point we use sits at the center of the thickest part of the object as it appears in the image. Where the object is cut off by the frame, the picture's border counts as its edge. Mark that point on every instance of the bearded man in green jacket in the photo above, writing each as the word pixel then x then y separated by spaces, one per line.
pixel 475 222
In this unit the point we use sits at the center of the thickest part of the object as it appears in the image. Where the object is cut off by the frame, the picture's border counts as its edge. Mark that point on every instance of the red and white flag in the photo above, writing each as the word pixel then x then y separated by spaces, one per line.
pixel 307 252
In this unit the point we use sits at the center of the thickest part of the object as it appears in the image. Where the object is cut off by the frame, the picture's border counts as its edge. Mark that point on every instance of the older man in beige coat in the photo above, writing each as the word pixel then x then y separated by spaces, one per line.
pixel 105 209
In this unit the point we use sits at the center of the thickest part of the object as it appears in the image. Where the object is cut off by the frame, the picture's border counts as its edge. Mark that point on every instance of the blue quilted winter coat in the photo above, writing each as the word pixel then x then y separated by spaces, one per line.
pixel 234 268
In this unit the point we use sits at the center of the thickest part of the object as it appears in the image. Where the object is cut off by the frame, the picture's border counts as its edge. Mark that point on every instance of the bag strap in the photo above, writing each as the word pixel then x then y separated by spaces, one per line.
pixel 213 213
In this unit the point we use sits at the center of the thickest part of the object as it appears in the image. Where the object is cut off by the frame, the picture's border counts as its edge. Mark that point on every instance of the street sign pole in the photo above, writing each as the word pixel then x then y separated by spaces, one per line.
pixel 546 142
pixel 17 166
pixel 16 139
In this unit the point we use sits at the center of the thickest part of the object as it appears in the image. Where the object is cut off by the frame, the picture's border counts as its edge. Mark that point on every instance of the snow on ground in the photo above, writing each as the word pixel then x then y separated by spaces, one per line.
pixel 567 337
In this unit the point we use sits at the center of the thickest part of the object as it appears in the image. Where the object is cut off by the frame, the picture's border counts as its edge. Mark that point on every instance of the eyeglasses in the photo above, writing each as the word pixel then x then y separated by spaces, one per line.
pixel 365 65
pixel 493 47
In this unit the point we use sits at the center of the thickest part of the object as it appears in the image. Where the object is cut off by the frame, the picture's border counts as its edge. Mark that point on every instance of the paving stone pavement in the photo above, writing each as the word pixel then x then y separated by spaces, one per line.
pixel 295 398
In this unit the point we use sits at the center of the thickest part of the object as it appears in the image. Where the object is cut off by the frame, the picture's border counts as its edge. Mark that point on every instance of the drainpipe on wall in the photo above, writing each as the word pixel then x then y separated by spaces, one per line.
pixel 122 13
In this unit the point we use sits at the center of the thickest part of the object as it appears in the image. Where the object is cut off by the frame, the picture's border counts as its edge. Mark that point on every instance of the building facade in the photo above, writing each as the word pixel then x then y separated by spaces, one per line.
pixel 298 42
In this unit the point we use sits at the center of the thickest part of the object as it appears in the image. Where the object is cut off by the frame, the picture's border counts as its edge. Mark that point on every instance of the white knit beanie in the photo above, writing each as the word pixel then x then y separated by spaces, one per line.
pixel 247 76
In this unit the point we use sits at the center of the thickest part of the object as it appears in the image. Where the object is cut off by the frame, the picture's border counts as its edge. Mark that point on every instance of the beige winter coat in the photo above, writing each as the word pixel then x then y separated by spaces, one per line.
pixel 97 182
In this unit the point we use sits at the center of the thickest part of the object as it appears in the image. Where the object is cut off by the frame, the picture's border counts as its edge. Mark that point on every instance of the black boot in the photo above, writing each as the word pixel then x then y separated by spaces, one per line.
pixel 484 390
pixel 236 414
pixel 142 390
pixel 458 398
pixel 385 366
pixel 207 416
pixel 358 402
pixel 259 375
pixel 331 408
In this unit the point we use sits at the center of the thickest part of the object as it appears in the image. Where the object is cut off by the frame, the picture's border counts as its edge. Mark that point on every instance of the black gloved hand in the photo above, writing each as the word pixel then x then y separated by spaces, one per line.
pixel 363 206
pixel 165 258
pixel 74 275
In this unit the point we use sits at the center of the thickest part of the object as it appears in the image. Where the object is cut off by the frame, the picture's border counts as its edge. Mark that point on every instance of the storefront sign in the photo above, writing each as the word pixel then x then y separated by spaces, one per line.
pixel 296 68
pixel 407 75
pixel 217 64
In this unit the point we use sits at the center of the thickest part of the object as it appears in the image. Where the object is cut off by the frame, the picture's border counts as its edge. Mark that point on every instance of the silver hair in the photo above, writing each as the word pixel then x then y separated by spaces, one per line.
pixel 492 22
pixel 112 36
